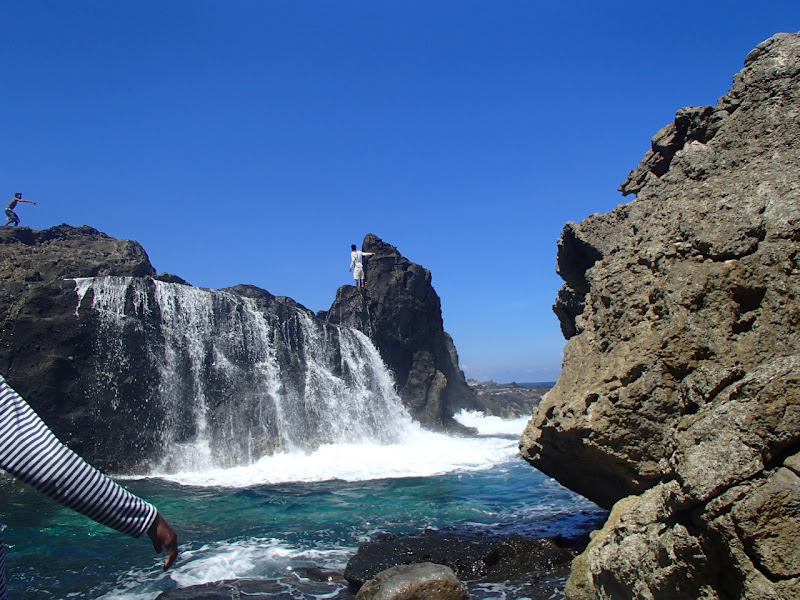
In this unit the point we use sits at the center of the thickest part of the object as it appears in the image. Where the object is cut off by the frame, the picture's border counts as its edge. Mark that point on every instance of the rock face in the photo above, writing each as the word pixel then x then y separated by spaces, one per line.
pixel 136 371
pixel 402 314
pixel 45 348
pixel 679 400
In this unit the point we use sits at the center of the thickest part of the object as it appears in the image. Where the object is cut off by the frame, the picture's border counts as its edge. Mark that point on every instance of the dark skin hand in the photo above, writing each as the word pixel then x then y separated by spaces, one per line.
pixel 163 536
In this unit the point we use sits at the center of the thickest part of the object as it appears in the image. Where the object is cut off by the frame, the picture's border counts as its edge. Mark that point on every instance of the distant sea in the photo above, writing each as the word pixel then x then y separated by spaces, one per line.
pixel 289 513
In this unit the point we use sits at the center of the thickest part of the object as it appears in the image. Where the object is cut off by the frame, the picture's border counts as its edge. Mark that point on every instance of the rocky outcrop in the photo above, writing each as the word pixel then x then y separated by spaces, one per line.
pixel 679 400
pixel 45 351
pixel 507 400
pixel 401 313
pixel 122 363
pixel 62 252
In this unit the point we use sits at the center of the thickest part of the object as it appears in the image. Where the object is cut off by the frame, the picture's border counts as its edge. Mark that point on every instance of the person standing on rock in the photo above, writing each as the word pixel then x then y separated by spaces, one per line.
pixel 12 216
pixel 356 266
pixel 33 454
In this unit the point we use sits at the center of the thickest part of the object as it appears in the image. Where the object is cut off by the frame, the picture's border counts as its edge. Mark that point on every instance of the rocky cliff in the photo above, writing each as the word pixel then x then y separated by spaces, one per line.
pixel 123 364
pixel 679 402
pixel 402 314
pixel 44 348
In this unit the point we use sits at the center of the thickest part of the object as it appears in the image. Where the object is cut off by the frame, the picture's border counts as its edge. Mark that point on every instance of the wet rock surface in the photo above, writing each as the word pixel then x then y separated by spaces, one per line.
pixel 679 400
pixel 472 557
pixel 46 351
pixel 258 589
pixel 489 565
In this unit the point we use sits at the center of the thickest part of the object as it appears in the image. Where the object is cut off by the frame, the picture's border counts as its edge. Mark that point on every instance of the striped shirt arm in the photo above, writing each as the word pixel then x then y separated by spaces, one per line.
pixel 30 452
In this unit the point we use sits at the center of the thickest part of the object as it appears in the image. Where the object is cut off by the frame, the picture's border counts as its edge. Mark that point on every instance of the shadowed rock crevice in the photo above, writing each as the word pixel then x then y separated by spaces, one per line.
pixel 575 257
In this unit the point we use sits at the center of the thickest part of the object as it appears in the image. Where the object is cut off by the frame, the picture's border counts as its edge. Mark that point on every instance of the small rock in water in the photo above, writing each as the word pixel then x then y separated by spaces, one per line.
pixel 411 582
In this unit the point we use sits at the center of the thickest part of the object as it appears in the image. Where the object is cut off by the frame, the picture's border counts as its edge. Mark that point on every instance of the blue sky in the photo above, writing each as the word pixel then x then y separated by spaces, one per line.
pixel 254 141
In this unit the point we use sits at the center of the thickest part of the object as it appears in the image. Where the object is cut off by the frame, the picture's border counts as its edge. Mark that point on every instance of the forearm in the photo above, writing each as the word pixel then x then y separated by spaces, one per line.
pixel 30 452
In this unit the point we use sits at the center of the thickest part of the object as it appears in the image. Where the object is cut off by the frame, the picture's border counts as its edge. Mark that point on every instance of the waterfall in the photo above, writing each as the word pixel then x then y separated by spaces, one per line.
pixel 235 378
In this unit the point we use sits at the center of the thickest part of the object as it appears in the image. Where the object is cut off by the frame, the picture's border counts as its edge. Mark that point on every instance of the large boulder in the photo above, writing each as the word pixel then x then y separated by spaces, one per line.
pixel 679 400
pixel 402 314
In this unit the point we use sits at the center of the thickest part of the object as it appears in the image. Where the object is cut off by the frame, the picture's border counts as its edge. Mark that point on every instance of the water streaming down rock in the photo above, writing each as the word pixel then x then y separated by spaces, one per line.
pixel 99 384
pixel 232 377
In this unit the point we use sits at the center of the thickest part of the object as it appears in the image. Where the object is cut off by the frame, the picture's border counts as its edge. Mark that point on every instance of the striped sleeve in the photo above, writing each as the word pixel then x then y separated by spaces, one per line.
pixel 32 453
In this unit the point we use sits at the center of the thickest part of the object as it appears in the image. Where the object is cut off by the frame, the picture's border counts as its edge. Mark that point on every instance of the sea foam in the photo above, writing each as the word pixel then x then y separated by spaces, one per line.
pixel 421 454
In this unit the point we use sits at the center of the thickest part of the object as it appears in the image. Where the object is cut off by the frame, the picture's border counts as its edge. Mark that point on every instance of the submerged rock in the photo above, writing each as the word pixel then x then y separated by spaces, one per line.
pixel 257 589
pixel 679 400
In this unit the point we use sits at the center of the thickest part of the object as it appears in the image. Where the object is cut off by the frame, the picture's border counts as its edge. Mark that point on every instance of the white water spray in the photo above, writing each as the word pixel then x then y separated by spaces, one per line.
pixel 237 381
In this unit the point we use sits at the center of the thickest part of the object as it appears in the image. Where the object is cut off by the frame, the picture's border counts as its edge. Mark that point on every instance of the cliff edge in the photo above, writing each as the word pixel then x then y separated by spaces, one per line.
pixel 678 406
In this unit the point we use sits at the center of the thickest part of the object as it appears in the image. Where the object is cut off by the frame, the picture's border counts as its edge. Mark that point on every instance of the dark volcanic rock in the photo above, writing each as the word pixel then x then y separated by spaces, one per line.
pixel 472 557
pixel 679 399
pixel 401 313
pixel 64 251
pixel 46 349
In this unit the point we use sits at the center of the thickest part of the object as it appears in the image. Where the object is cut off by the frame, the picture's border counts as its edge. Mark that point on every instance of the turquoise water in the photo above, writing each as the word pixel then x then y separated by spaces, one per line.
pixel 245 523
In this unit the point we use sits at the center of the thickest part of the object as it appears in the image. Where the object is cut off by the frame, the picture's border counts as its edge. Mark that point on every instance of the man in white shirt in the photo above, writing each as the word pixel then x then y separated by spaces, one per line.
pixel 356 266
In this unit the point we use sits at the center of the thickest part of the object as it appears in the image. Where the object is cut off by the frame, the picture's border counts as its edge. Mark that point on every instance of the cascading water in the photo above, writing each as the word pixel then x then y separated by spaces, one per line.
pixel 238 378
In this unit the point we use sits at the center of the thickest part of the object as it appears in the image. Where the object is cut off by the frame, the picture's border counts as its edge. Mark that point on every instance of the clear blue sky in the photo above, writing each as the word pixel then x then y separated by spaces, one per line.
pixel 254 141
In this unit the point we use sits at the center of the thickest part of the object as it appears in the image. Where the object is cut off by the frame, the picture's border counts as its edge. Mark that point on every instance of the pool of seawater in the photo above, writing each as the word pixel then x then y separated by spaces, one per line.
pixel 231 527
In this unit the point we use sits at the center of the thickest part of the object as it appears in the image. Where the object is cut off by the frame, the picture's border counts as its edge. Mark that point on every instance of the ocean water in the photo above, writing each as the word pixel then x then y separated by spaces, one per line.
pixel 292 512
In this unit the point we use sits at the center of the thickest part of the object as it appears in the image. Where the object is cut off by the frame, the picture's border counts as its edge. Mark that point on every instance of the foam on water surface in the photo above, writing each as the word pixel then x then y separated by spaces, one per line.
pixel 421 454
pixel 491 425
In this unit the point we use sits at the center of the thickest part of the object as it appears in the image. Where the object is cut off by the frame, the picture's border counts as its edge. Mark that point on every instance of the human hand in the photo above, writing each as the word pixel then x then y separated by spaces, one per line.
pixel 163 536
